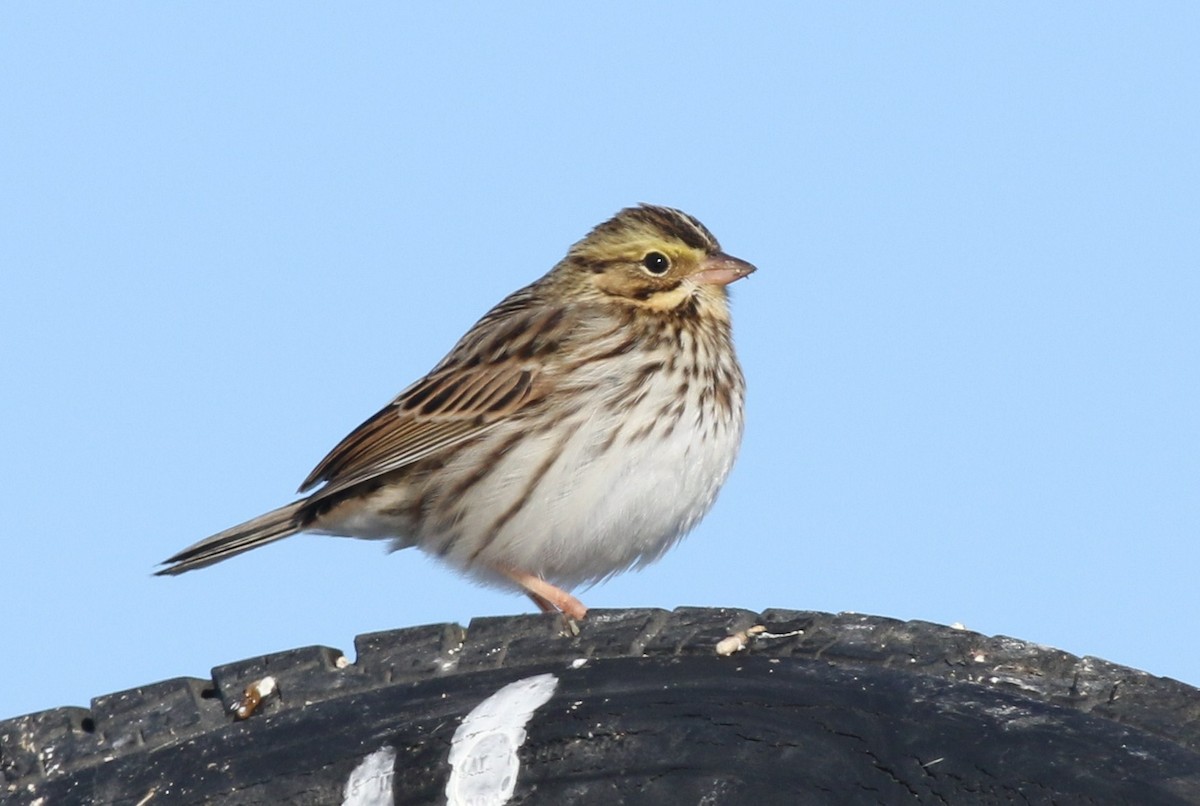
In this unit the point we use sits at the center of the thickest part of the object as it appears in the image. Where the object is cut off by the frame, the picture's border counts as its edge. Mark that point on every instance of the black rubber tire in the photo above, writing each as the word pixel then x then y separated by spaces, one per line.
pixel 638 709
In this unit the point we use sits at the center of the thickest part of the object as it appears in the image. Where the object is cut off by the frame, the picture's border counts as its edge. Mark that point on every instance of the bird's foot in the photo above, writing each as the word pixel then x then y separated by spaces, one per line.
pixel 550 599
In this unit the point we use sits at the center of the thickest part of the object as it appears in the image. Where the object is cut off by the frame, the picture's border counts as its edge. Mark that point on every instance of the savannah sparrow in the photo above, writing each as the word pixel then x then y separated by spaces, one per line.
pixel 580 428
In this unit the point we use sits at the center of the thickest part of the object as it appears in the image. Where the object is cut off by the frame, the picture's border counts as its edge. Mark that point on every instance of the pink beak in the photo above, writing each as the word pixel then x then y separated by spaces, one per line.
pixel 722 269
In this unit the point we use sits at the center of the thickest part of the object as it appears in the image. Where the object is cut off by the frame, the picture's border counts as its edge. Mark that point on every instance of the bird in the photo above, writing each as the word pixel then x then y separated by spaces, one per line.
pixel 579 429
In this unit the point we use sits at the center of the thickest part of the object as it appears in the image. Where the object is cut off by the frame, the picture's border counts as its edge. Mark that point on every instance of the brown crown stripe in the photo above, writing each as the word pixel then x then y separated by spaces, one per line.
pixel 677 224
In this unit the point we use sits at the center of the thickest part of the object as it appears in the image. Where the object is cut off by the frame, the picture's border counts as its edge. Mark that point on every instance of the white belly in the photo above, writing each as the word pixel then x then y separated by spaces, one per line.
pixel 592 515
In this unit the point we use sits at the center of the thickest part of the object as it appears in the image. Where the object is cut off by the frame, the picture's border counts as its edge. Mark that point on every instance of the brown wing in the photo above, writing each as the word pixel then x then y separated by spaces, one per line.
pixel 491 373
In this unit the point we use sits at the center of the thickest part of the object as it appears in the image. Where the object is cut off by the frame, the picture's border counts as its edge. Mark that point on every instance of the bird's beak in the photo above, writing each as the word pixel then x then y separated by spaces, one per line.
pixel 722 269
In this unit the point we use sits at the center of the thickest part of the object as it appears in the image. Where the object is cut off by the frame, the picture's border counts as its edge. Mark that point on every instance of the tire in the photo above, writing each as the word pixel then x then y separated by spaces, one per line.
pixel 637 709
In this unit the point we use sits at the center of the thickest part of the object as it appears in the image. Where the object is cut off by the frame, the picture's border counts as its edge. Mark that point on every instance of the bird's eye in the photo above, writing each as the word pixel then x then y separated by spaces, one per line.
pixel 656 263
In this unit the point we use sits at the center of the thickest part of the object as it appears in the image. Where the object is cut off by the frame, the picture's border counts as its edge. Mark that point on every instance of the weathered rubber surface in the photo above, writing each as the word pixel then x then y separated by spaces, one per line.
pixel 638 709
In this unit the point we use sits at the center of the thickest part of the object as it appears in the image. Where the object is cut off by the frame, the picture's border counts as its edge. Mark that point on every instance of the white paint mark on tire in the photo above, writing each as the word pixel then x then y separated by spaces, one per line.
pixel 370 783
pixel 483 752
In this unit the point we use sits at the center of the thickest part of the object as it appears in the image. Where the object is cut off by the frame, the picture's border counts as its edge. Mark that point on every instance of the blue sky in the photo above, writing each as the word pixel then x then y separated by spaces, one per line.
pixel 230 232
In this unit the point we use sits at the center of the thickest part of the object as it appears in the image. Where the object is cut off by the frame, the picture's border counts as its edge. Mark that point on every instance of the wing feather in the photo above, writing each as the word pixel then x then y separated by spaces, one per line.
pixel 491 374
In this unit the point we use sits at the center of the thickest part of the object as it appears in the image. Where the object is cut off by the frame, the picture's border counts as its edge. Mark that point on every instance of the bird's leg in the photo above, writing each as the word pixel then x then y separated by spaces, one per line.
pixel 548 598
pixel 541 603
pixel 570 626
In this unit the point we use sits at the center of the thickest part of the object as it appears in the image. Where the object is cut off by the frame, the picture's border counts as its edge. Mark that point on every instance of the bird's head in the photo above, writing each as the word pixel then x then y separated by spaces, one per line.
pixel 654 258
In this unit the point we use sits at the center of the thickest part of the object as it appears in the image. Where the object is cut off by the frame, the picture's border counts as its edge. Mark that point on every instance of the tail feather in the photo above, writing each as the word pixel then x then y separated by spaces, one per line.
pixel 274 525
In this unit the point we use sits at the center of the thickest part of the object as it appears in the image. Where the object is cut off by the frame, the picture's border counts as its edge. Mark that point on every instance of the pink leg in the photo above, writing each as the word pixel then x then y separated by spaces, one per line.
pixel 547 597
